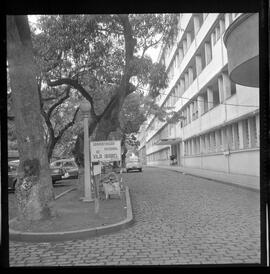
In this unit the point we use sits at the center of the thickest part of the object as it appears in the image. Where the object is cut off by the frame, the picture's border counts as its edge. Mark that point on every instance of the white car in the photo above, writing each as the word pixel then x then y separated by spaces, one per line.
pixel 69 166
pixel 133 164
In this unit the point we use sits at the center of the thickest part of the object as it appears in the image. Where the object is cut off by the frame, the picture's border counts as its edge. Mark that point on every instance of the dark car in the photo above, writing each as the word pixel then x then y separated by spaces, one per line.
pixel 12 174
pixel 69 167
pixel 57 174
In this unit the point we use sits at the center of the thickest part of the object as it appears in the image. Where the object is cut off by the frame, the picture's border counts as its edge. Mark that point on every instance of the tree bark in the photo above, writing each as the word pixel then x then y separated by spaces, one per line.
pixel 34 191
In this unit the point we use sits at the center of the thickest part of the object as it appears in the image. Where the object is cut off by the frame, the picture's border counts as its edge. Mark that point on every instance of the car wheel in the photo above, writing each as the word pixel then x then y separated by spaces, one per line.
pixel 127 170
pixel 140 170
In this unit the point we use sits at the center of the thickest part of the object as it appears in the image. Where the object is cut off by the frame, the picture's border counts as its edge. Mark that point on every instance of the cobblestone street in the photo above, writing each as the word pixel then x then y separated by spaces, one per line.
pixel 179 219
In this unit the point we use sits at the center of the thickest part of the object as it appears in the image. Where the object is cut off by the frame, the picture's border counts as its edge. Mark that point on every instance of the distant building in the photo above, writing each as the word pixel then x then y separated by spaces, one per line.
pixel 220 129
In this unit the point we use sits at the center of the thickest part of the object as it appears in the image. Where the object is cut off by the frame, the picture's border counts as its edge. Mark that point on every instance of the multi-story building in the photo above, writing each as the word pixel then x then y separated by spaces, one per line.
pixel 219 131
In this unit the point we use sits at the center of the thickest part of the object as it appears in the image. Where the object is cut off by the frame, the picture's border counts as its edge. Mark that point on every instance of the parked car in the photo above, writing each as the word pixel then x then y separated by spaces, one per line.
pixel 68 166
pixel 133 164
pixel 57 174
pixel 12 174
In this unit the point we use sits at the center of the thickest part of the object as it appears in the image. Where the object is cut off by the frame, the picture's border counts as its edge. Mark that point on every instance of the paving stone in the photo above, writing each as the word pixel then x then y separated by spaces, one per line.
pixel 178 220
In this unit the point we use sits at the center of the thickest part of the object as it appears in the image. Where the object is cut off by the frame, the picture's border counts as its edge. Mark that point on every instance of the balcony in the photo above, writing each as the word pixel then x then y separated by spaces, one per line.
pixel 242 43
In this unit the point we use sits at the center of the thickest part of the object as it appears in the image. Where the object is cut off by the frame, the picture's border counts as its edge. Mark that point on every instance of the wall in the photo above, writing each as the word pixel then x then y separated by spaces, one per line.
pixel 242 162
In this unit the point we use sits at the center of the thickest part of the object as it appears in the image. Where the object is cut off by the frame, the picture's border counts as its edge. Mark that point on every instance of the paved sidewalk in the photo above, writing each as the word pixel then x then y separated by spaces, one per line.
pixel 252 182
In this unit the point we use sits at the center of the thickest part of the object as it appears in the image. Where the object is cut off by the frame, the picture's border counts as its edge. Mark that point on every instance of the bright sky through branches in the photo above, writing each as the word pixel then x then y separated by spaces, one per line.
pixel 152 52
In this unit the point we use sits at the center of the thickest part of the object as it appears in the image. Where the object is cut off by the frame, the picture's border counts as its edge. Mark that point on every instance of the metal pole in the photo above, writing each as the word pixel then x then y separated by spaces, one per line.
pixel 87 181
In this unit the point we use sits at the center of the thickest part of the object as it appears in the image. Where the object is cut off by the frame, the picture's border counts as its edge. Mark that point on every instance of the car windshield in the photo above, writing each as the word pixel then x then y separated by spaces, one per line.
pixel 69 164
pixel 55 164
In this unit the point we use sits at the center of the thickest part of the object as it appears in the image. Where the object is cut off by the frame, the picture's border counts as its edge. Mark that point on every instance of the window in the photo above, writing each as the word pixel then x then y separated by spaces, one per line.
pixel 68 164
pixel 217 33
pixel 205 99
pixel 184 46
pixel 186 81
pixel 252 131
pixel 229 133
pixel 208 53
pixel 213 37
pixel 215 97
pixel 198 60
pixel 245 133
pixel 218 140
pixel 222 25
pixel 196 24
pixel 230 18
pixel 220 89
pixel 195 109
pixel 212 142
pixel 207 143
pixel 198 145
pixel 56 164
pixel 236 136
pixel 233 88
pixel 202 143
pixel 190 75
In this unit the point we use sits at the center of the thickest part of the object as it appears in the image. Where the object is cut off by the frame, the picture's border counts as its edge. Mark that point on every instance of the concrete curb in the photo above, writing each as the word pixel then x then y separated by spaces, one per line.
pixel 15 235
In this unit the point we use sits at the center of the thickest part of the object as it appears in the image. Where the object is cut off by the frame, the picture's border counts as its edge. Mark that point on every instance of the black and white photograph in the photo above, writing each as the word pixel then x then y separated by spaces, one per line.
pixel 133 139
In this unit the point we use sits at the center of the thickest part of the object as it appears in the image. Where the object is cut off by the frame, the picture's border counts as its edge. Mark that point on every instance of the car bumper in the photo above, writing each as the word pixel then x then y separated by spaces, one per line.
pixel 134 168
pixel 70 175
pixel 57 177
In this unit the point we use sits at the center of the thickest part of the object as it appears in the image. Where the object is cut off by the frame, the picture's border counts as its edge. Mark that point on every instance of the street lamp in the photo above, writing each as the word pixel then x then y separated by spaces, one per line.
pixel 85 109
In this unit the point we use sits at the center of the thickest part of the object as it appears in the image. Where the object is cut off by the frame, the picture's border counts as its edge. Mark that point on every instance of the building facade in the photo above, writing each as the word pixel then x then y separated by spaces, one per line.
pixel 219 130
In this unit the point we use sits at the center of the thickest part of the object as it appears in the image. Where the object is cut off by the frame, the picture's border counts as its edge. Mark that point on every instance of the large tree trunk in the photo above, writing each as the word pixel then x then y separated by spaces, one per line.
pixel 34 191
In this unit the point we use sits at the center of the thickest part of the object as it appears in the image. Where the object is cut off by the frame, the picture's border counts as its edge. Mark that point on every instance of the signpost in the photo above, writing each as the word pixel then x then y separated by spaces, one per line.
pixel 103 151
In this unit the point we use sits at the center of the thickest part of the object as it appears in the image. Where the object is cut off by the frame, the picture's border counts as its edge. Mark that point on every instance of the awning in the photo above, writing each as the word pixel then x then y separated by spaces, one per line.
pixel 168 141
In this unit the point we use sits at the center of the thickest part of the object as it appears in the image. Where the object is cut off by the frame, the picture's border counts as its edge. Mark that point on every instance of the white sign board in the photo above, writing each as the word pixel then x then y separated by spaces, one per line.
pixel 105 151
pixel 97 169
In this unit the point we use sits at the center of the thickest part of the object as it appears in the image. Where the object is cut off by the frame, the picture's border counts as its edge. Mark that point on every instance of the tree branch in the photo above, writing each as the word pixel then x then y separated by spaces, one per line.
pixel 150 45
pixel 58 103
pixel 77 86
pixel 68 125
pixel 130 43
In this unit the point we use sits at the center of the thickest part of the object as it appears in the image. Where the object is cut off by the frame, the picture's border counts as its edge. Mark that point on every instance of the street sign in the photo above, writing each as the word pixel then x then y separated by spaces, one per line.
pixel 105 151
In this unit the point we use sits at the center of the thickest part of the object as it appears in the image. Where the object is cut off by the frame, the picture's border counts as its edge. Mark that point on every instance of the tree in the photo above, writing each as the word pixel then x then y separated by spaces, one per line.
pixel 102 57
pixel 131 116
pixel 34 186
pixel 59 109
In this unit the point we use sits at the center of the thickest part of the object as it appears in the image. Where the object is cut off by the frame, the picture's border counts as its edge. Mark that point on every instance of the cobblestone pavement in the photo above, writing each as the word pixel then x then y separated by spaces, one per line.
pixel 179 219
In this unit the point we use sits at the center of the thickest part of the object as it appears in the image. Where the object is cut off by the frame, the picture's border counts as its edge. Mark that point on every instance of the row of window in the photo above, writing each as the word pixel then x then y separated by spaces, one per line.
pixel 213 95
pixel 240 135
pixel 190 32
pixel 160 155
pixel 202 58
pixel 163 134
pixel 204 53
pixel 187 39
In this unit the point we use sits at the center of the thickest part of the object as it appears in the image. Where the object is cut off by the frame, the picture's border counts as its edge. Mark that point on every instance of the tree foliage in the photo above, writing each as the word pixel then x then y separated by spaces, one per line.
pixel 102 57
